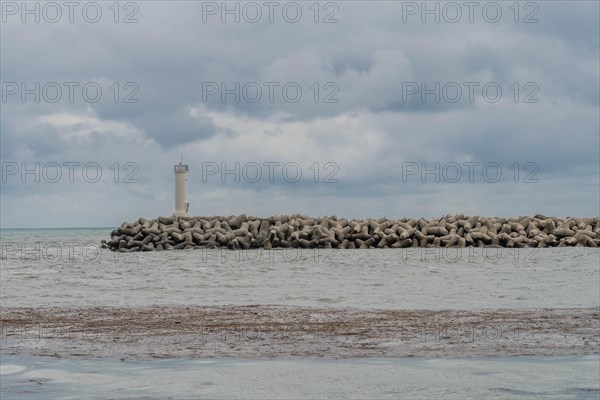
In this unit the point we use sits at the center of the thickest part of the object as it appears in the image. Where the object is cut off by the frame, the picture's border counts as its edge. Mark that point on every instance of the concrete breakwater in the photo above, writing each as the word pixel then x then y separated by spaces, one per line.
pixel 242 232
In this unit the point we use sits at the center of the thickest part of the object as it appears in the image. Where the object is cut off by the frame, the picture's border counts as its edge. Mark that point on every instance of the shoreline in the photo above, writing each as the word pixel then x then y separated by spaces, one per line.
pixel 284 332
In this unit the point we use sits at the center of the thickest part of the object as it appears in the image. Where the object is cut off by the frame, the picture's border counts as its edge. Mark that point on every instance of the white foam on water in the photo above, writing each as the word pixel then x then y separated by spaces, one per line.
pixel 7 369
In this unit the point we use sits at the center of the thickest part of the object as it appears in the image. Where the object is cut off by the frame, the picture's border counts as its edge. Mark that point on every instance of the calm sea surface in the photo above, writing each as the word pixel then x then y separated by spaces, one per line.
pixel 65 267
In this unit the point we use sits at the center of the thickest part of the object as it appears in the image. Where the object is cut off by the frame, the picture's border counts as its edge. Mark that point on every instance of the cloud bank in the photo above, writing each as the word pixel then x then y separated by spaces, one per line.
pixel 384 108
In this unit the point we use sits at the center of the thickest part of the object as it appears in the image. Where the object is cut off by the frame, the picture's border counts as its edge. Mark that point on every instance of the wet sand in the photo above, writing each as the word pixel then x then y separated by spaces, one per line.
pixel 265 332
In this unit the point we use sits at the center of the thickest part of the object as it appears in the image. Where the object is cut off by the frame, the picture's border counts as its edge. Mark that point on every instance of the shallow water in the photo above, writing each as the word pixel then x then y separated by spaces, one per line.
pixel 497 378
pixel 52 267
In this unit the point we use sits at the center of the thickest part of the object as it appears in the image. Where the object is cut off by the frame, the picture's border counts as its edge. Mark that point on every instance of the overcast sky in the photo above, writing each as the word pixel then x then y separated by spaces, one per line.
pixel 491 109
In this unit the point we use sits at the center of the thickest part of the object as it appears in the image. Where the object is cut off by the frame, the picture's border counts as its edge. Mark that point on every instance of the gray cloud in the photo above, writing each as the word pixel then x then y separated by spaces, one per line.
pixel 365 62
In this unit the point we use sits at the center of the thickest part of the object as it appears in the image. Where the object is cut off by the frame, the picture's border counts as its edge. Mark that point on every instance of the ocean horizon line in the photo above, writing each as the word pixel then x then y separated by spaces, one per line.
pixel 55 228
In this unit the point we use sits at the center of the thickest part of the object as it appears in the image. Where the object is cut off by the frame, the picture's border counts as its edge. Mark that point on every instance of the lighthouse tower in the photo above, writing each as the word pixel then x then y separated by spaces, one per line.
pixel 181 203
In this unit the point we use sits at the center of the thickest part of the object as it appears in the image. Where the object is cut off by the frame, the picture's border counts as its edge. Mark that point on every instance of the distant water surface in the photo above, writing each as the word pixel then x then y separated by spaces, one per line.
pixel 65 267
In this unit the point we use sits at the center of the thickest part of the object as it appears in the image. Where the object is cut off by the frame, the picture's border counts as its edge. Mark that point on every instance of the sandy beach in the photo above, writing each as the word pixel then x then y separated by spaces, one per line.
pixel 266 332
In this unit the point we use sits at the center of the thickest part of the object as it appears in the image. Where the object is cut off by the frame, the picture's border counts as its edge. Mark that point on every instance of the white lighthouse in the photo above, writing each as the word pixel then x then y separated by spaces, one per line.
pixel 181 202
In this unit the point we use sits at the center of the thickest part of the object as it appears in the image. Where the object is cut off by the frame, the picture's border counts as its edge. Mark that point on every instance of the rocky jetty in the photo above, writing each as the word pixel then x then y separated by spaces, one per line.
pixel 242 232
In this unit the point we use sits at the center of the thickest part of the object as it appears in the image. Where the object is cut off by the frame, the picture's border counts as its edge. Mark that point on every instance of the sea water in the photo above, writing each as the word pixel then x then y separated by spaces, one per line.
pixel 66 267
pixel 411 379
